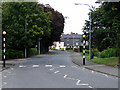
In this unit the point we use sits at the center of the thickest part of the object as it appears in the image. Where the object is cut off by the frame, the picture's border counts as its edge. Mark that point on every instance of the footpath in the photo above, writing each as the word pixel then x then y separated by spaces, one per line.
pixel 10 63
pixel 109 70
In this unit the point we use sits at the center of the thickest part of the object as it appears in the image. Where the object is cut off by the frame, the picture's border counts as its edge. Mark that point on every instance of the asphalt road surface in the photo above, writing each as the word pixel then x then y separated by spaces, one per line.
pixel 54 70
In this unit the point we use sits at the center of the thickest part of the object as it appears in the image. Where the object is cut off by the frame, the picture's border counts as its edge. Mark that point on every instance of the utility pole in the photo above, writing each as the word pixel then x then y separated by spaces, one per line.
pixel 26 31
pixel 89 29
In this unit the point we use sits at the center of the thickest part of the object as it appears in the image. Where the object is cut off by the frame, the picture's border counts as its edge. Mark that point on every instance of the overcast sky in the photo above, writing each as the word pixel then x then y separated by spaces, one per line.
pixel 77 13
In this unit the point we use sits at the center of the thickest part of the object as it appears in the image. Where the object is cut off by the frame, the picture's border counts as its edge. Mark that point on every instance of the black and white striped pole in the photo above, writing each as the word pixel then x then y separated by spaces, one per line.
pixel 84 49
pixel 4 34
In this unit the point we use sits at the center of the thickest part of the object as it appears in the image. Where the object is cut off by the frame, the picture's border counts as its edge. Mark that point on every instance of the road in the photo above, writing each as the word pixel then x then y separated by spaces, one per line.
pixel 54 70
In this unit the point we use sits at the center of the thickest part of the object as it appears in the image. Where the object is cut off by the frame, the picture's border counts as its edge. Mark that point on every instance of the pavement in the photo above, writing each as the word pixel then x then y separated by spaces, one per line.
pixel 110 70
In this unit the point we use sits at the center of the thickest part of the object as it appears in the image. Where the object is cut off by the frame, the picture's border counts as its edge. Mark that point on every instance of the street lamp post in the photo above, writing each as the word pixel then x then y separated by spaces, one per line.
pixel 89 30
pixel 26 30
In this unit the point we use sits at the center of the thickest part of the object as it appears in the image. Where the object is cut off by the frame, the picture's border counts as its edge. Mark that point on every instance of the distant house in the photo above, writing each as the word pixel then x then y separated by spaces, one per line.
pixel 71 40
pixel 58 45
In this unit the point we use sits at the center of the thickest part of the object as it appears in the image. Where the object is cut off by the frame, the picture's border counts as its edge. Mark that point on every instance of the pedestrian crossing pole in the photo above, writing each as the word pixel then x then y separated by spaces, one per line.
pixel 4 34
pixel 84 49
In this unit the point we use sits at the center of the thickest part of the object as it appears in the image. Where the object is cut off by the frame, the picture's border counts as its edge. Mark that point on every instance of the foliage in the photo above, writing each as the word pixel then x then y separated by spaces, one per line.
pixel 110 52
pixel 46 27
pixel 57 24
pixel 32 52
pixel 13 21
pixel 105 27
pixel 13 54
pixel 96 52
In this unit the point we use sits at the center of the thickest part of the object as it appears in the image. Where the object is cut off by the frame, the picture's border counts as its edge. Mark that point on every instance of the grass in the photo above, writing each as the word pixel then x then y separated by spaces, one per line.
pixel 113 61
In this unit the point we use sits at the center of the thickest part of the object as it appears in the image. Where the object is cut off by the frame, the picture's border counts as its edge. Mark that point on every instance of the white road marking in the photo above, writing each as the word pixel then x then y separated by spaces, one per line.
pixel 65 76
pixel 78 82
pixel 92 71
pixel 4 76
pixel 35 66
pixel 51 68
pixel 84 84
pixel 106 75
pixel 20 66
pixel 48 65
pixel 71 78
pixel 57 72
pixel 62 66
pixel 90 87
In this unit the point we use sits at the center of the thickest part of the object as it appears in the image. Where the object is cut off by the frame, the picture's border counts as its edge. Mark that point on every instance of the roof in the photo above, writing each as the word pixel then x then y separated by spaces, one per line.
pixel 71 36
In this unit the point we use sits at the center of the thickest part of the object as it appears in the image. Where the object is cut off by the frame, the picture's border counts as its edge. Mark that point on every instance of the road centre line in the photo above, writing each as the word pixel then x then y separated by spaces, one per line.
pixel 65 76
pixel 56 72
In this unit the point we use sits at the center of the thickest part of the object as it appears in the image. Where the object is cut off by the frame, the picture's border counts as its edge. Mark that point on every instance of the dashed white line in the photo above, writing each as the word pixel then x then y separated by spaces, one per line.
pixel 65 76
pixel 35 66
pixel 48 65
pixel 51 68
pixel 71 78
pixel 56 71
pixel 20 66
pixel 62 66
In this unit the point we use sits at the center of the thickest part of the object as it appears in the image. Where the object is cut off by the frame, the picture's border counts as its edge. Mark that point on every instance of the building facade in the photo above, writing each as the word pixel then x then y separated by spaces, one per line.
pixel 71 40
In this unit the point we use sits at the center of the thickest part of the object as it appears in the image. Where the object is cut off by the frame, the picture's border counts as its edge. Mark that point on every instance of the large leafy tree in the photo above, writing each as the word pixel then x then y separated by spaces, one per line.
pixel 105 25
pixel 57 24
pixel 13 20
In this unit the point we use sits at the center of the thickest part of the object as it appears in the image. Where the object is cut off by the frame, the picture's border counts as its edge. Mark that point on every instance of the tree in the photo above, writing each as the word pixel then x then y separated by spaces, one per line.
pixel 13 21
pixel 105 26
pixel 57 24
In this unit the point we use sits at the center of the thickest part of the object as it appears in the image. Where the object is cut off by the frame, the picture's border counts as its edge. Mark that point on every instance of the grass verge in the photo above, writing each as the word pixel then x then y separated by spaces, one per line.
pixel 112 61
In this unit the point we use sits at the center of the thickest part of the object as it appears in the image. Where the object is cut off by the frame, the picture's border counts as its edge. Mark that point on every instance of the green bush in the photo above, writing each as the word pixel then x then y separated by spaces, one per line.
pixel 32 52
pixel 87 51
pixel 110 52
pixel 14 54
pixel 96 52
